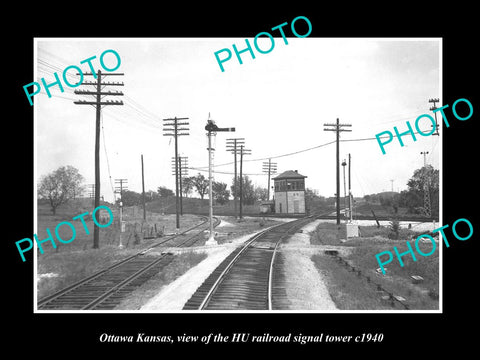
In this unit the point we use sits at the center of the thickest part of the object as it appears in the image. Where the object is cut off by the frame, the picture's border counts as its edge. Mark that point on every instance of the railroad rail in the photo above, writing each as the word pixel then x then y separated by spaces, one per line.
pixel 105 289
pixel 245 280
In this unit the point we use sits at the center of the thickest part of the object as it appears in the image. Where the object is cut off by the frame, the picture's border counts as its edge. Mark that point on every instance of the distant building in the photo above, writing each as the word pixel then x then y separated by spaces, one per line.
pixel 290 193
pixel 267 207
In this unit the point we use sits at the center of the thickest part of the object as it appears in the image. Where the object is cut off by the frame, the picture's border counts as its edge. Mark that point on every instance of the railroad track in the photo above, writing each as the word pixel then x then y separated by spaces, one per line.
pixel 246 279
pixel 105 289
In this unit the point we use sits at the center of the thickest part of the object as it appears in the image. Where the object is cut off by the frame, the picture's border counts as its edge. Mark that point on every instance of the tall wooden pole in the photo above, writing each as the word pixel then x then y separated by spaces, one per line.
pixel 96 234
pixel 350 200
pixel 337 128
pixel 338 174
pixel 174 128
pixel 241 182
pixel 235 179
pixel 143 194
pixel 180 183
pixel 98 103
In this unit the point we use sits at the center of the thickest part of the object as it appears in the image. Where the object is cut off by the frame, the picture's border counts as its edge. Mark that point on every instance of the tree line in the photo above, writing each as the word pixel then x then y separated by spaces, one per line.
pixel 66 183
pixel 423 179
pixel 199 185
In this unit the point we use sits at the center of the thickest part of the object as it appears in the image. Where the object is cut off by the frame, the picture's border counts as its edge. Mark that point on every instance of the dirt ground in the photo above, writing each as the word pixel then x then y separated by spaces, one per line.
pixel 305 286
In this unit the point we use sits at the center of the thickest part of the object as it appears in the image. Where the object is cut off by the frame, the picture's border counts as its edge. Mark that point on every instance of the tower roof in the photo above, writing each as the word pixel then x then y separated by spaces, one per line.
pixel 289 174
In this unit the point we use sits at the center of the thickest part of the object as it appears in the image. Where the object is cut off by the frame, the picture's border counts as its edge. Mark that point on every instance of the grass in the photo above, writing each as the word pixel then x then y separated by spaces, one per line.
pixel 346 291
pixel 76 260
pixel 133 216
pixel 73 266
pixel 350 291
pixel 181 264
pixel 200 206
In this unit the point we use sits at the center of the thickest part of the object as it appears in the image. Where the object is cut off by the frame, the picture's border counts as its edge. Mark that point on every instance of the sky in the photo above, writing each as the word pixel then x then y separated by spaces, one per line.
pixel 279 102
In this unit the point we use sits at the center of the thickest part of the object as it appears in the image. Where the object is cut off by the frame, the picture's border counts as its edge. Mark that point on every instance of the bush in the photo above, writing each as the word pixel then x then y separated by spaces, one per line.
pixel 433 293
pixel 394 228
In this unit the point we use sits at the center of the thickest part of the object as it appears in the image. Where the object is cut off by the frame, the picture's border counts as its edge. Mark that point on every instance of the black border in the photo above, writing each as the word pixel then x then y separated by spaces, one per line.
pixel 406 334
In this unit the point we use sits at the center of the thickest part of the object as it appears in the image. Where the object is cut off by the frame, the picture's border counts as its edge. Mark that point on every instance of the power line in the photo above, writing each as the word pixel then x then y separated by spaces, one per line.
pixel 106 156
pixel 148 119
pixel 275 157
pixel 59 96
pixel 223 172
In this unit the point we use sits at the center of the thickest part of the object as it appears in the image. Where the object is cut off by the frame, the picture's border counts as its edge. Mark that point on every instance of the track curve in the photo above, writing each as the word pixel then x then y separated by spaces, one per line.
pixel 105 289
pixel 245 278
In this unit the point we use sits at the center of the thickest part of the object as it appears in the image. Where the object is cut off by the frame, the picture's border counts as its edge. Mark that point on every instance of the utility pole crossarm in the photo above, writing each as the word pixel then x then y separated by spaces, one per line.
pixel 87 92
pixel 109 74
pixel 84 102
pixel 434 107
pixel 103 83
pixel 337 127
pixel 98 103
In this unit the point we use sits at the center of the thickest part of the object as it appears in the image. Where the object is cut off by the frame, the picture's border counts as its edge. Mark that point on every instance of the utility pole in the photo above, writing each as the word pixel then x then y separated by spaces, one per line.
pixel 344 163
pixel 391 180
pixel 337 128
pixel 269 168
pixel 98 103
pixel 233 145
pixel 212 129
pixel 143 193
pixel 242 152
pixel 182 170
pixel 434 107
pixel 424 153
pixel 173 127
pixel 426 188
pixel 240 214
pixel 350 199
pixel 91 193
pixel 119 189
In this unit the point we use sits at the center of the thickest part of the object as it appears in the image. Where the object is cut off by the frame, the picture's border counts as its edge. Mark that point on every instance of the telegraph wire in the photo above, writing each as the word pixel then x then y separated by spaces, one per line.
pixel 149 120
pixel 221 172
pixel 277 156
pixel 106 156
pixel 303 150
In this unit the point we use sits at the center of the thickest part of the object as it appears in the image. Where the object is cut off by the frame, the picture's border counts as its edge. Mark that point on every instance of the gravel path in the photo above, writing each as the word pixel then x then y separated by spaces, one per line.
pixel 305 287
